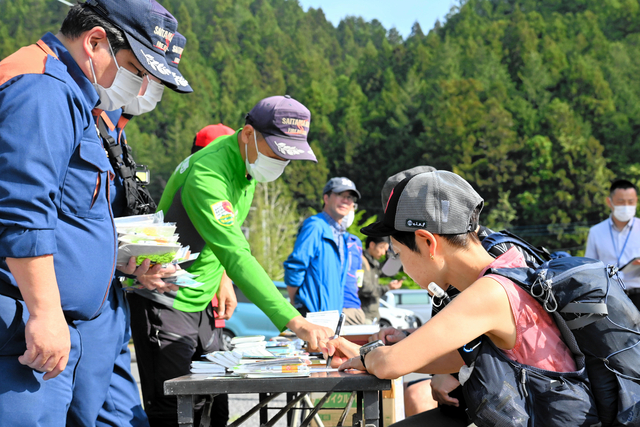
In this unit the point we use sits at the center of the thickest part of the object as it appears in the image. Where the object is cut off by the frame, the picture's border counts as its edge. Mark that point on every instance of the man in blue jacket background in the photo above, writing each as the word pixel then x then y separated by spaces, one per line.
pixel 316 270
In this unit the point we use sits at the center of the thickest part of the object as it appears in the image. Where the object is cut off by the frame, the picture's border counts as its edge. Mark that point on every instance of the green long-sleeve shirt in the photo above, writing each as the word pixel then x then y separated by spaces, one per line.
pixel 209 196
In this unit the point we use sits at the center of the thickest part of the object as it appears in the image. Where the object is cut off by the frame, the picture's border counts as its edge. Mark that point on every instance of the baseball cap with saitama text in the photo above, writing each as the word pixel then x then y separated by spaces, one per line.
pixel 148 27
pixel 284 124
pixel 173 56
pixel 440 202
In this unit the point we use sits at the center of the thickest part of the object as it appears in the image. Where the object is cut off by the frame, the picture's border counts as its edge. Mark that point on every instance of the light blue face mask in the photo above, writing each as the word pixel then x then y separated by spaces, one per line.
pixel 265 169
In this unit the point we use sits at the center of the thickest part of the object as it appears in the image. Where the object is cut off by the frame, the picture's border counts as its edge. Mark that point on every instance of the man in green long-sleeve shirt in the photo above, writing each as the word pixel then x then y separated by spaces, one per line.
pixel 209 196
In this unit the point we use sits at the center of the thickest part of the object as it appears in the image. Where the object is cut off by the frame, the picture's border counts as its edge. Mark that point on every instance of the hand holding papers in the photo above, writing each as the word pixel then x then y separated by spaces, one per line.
pixel 149 237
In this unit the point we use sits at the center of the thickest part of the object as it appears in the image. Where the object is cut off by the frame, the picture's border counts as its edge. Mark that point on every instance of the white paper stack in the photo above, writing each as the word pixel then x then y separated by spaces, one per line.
pixel 201 367
pixel 227 359
pixel 148 236
pixel 277 367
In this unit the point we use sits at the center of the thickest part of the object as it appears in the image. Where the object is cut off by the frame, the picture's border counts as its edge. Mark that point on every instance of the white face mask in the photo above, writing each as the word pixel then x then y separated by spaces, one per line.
pixel 348 219
pixel 624 213
pixel 147 102
pixel 123 90
pixel 265 169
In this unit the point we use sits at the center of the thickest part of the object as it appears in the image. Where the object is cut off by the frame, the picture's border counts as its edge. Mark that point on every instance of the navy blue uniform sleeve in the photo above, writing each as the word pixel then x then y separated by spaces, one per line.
pixel 37 136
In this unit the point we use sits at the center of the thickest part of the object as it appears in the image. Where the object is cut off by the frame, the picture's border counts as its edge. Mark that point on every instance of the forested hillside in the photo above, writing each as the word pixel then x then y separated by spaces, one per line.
pixel 536 103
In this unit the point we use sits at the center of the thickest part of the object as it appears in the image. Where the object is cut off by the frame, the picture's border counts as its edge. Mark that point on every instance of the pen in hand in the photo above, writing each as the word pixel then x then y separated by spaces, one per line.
pixel 336 336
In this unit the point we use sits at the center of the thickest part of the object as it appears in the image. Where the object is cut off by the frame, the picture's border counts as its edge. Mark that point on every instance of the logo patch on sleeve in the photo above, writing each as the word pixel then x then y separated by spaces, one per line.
pixel 223 213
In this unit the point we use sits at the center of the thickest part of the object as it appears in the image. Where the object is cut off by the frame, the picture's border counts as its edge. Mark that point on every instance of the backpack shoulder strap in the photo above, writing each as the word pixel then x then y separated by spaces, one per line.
pixel 506 237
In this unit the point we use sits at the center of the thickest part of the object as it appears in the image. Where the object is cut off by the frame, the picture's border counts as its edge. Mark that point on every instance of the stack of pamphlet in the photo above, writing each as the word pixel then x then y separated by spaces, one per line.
pixel 226 359
pixel 202 367
pixel 283 348
pixel 253 357
pixel 250 346
pixel 148 236
pixel 274 367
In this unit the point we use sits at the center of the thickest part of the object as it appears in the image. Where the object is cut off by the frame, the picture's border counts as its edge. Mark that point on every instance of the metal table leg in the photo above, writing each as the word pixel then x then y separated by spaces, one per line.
pixel 185 411
pixel 284 410
pixel 371 408
pixel 261 405
pixel 264 411
pixel 315 410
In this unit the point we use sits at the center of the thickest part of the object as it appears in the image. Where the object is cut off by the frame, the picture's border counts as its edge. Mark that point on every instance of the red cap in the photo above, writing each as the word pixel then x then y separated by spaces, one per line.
pixel 211 132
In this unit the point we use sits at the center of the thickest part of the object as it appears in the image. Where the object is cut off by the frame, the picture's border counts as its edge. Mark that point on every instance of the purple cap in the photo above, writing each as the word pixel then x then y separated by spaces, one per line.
pixel 148 27
pixel 284 123
pixel 174 53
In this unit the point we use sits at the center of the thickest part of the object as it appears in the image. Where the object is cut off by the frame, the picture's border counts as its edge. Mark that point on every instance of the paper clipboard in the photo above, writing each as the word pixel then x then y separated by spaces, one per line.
pixel 629 267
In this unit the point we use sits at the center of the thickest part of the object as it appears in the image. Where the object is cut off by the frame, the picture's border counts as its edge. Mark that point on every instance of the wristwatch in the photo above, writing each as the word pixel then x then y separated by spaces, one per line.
pixel 365 349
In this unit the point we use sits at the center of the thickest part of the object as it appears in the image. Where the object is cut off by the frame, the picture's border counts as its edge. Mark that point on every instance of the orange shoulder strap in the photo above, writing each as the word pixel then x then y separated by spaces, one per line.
pixel 46 48
pixel 30 59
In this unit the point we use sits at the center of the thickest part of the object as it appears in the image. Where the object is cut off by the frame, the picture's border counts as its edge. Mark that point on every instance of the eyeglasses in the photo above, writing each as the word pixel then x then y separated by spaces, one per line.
pixel 347 196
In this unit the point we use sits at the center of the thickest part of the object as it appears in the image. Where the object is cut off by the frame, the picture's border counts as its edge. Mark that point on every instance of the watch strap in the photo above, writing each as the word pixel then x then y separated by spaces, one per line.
pixel 362 360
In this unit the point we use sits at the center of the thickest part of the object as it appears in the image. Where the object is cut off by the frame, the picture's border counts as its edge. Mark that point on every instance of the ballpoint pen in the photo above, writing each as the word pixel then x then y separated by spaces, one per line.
pixel 336 336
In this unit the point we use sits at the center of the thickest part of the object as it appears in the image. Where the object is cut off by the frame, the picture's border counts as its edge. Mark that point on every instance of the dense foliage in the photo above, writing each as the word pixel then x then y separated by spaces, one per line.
pixel 536 103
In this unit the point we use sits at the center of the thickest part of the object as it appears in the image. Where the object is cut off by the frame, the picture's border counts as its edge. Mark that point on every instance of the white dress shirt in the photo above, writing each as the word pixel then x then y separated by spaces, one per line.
pixel 612 246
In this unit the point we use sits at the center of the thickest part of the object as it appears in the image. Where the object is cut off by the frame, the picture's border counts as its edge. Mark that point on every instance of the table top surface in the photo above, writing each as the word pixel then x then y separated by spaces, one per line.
pixel 316 382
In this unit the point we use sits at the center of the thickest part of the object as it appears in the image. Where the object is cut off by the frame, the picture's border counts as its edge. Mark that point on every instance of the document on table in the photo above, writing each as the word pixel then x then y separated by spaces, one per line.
pixel 314 370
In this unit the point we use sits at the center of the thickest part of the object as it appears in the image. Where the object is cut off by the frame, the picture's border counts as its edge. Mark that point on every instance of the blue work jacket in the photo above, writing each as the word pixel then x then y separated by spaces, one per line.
pixel 314 267
pixel 54 191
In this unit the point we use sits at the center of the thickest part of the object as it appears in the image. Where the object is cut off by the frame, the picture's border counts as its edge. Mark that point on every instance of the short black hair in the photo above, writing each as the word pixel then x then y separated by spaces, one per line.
pixel 81 19
pixel 408 238
pixel 375 241
pixel 622 184
pixel 195 148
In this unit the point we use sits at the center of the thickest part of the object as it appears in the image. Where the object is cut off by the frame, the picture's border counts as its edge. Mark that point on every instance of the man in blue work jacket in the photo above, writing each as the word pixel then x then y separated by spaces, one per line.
pixel 111 397
pixel 57 236
pixel 316 270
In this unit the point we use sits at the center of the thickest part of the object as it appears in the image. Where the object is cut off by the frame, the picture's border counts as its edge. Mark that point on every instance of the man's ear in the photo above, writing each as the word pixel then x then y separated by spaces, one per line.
pixel 426 242
pixel 609 202
pixel 91 40
pixel 246 134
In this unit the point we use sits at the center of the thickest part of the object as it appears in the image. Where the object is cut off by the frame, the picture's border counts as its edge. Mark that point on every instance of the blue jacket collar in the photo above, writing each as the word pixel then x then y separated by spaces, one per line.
pixel 73 69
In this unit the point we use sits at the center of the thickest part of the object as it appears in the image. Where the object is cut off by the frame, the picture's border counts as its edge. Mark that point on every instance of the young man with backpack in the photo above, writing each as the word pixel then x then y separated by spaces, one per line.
pixel 432 219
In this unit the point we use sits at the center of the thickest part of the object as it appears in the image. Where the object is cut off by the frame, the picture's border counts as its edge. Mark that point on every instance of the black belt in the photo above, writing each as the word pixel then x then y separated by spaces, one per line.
pixel 10 291
pixel 632 291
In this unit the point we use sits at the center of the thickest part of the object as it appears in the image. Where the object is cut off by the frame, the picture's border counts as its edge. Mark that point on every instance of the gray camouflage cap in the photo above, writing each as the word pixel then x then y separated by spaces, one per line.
pixel 440 202
pixel 394 180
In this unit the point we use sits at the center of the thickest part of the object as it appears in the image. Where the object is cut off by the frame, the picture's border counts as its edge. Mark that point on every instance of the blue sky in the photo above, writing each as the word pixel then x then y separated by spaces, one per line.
pixel 392 13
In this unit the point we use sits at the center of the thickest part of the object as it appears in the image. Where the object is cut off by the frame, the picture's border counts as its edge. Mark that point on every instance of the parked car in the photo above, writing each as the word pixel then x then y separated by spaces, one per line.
pixel 248 319
pixel 416 300
pixel 396 317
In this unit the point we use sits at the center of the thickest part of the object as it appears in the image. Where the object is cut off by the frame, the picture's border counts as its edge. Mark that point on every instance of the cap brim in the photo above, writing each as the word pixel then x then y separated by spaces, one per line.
pixel 290 148
pixel 340 189
pixel 378 229
pixel 391 267
pixel 152 61
pixel 181 84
